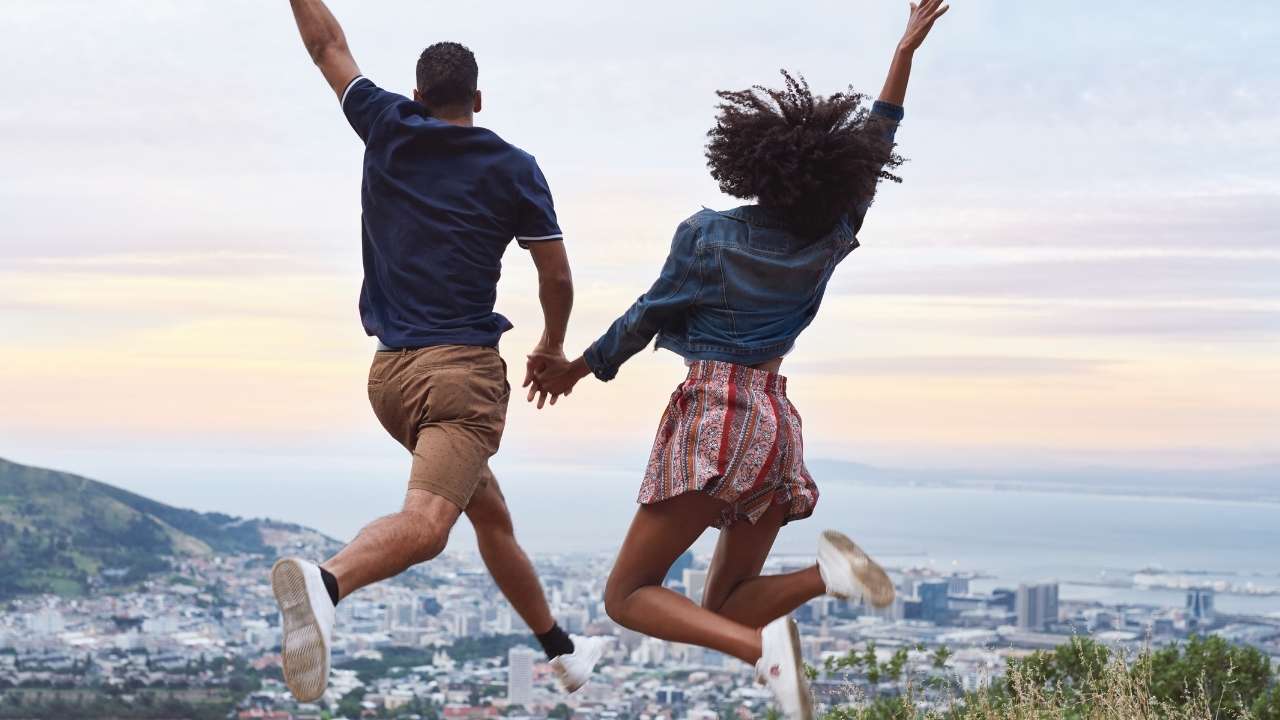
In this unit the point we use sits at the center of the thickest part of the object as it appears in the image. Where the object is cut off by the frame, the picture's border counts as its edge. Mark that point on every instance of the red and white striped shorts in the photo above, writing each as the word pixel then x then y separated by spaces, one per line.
pixel 730 431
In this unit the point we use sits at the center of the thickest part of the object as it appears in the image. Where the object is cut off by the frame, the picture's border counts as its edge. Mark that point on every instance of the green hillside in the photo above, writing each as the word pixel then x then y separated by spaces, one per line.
pixel 67 534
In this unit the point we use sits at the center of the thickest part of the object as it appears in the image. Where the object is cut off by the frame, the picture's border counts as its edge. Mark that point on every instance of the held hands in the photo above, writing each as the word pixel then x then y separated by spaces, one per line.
pixel 549 373
pixel 542 357
pixel 923 15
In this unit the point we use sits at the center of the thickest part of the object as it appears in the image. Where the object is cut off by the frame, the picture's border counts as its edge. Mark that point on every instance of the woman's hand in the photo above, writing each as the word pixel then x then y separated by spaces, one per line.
pixel 557 376
pixel 923 15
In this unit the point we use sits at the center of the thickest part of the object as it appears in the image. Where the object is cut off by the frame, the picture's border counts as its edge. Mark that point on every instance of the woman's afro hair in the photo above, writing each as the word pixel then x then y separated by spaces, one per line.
pixel 811 158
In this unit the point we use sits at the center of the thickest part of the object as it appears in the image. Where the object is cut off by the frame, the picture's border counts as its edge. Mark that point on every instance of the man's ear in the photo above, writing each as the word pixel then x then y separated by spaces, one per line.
pixel 478 103
pixel 417 97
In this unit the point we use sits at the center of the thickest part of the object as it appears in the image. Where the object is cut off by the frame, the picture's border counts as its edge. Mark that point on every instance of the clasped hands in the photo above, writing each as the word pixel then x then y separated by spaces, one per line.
pixel 549 374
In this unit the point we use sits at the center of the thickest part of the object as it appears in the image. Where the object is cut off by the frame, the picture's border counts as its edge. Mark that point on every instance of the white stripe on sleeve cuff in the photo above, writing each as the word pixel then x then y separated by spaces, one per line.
pixel 557 236
pixel 347 91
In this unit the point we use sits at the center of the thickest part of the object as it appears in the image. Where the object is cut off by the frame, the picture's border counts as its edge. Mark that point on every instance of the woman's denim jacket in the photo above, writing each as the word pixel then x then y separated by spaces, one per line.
pixel 737 286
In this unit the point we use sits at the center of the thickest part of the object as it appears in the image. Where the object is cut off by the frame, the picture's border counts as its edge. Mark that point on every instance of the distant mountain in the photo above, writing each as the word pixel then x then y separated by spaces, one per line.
pixel 66 534
pixel 1249 484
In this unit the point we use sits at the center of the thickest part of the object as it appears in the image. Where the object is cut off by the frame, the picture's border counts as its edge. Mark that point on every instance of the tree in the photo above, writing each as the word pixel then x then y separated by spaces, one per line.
pixel 1267 707
pixel 1232 677
pixel 560 712
pixel 349 705
pixel 941 656
pixel 873 666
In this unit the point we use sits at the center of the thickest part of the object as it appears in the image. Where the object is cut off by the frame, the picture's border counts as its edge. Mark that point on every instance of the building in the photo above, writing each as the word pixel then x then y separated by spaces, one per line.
pixel 1200 607
pixel 520 661
pixel 669 695
pixel 682 563
pixel 933 600
pixel 1036 605
pixel 466 623
pixel 695 581
pixel 402 614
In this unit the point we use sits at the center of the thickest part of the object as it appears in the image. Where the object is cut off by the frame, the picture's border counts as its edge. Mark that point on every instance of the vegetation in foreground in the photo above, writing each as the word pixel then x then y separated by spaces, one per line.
pixel 1206 678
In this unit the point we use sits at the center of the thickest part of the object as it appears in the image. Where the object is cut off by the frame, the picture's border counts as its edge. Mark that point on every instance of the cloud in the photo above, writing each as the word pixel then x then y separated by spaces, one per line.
pixel 948 366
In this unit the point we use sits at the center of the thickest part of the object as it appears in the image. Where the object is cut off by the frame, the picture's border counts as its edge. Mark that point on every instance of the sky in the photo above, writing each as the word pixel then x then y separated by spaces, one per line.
pixel 1081 267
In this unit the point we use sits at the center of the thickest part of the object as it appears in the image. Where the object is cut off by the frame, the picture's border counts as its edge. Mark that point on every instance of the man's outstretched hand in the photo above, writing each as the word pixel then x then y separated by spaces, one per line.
pixel 923 15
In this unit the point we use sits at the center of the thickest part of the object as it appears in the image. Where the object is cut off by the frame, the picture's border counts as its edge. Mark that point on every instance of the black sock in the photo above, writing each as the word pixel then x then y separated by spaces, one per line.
pixel 330 584
pixel 555 642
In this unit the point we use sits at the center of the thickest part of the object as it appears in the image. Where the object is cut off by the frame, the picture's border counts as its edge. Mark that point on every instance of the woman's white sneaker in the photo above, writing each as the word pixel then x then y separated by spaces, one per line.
pixel 306 622
pixel 573 670
pixel 781 668
pixel 850 573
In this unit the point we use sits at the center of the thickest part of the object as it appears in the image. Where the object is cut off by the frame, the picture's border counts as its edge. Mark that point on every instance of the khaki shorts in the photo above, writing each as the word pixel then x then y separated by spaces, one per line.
pixel 447 405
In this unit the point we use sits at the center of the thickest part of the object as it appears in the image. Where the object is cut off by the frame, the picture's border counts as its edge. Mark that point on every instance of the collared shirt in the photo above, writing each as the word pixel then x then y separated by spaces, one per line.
pixel 440 205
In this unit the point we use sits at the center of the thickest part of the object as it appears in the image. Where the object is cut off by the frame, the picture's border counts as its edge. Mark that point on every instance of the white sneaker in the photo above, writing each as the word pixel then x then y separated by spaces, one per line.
pixel 306 619
pixel 781 668
pixel 850 573
pixel 573 670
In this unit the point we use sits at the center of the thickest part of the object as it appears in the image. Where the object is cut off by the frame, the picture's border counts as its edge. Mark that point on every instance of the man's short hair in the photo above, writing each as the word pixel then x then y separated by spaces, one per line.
pixel 447 76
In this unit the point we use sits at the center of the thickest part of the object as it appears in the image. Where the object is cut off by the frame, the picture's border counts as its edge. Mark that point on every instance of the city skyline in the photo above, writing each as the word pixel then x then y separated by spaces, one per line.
pixel 1078 270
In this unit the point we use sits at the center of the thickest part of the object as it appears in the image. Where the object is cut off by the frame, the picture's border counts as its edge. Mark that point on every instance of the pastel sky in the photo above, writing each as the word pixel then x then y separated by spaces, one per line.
pixel 1081 268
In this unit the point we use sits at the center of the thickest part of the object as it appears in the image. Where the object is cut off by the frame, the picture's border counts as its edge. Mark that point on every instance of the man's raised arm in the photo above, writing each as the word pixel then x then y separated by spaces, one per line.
pixel 325 42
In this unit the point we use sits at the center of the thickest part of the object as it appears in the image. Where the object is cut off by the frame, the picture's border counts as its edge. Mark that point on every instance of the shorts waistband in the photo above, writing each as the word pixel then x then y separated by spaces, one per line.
pixel 729 373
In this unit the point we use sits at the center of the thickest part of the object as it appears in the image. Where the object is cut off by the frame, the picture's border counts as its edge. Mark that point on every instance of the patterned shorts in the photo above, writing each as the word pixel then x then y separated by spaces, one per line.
pixel 729 431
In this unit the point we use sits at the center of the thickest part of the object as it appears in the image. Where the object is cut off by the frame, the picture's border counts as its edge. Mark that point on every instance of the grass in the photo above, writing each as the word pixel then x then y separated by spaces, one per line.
pixel 1083 680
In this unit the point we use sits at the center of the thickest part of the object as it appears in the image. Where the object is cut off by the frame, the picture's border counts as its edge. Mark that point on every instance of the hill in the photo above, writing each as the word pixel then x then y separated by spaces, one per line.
pixel 66 534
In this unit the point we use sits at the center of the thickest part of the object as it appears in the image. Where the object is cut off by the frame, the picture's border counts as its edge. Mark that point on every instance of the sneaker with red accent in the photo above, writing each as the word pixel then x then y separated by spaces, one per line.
pixel 781 668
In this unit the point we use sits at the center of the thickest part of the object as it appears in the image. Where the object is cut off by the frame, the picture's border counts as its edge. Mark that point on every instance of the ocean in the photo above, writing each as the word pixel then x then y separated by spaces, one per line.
pixel 1087 542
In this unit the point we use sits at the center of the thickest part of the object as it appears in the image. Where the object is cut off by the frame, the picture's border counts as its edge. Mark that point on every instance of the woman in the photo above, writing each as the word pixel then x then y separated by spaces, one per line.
pixel 736 290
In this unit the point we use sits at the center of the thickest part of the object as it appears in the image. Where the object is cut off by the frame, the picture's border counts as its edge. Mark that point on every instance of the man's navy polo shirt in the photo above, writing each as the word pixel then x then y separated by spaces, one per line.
pixel 441 203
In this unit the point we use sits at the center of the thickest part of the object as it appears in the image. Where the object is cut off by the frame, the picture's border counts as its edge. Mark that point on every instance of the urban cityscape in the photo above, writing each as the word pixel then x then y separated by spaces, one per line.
pixel 442 642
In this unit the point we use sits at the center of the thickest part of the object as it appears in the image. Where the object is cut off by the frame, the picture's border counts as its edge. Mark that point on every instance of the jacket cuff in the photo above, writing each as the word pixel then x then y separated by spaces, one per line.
pixel 596 363
pixel 887 110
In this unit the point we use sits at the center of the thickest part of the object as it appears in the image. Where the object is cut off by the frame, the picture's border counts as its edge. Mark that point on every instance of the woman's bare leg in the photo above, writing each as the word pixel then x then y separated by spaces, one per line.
pixel 634 596
pixel 735 587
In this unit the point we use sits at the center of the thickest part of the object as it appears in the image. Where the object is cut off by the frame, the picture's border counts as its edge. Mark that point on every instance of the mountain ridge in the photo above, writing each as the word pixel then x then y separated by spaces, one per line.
pixel 68 534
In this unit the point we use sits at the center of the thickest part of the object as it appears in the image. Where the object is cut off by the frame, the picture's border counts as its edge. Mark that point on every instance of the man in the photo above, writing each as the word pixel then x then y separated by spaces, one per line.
pixel 442 199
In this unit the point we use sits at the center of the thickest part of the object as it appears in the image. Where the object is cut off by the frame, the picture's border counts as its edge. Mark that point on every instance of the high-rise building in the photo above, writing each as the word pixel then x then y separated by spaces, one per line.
pixel 1037 605
pixel 466 623
pixel 682 563
pixel 520 661
pixel 402 614
pixel 1200 607
pixel 695 581
pixel 573 620
pixel 933 600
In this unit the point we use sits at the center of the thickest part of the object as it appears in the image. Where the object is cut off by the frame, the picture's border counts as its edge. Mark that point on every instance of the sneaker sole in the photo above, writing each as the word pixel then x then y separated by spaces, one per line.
pixel 867 571
pixel 562 677
pixel 303 651
pixel 802 682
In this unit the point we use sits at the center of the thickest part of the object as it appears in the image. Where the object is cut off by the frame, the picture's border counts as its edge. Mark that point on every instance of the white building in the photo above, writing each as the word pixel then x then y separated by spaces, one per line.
pixel 695 581
pixel 1036 605
pixel 520 661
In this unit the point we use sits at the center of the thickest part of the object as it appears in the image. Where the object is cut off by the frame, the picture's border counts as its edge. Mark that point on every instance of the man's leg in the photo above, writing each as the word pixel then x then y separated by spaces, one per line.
pixel 390 545
pixel 736 589
pixel 505 559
